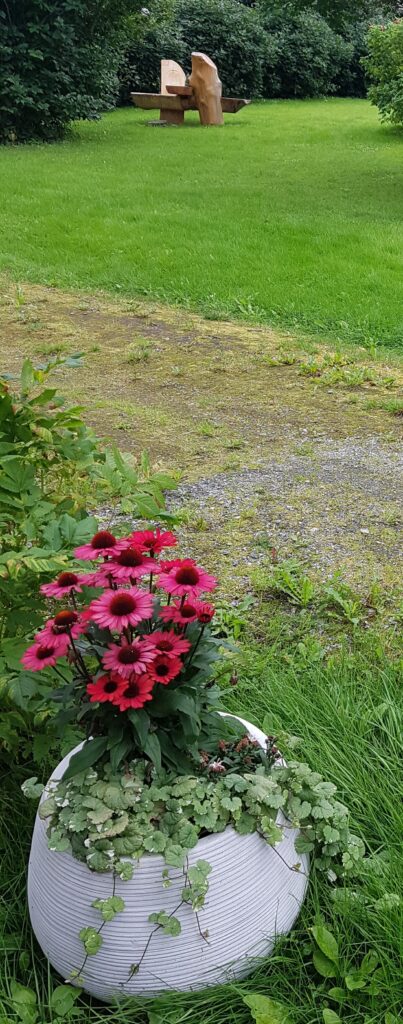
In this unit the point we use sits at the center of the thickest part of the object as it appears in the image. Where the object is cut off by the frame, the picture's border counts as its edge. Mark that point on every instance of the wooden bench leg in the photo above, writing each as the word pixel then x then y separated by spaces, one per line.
pixel 172 116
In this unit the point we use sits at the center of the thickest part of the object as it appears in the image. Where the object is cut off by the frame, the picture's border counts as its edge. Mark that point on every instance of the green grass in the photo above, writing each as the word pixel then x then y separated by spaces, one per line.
pixel 347 713
pixel 292 214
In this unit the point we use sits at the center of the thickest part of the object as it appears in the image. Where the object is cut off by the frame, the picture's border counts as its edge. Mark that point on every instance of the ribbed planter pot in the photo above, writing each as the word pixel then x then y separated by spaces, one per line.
pixel 254 896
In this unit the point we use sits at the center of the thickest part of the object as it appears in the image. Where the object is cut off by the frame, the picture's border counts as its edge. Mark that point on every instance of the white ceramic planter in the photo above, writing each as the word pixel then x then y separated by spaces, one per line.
pixel 253 897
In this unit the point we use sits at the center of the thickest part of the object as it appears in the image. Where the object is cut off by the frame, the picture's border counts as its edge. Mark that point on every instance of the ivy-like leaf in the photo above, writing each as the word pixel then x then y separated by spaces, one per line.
pixel 156 842
pixel 32 789
pixel 125 870
pixel 174 855
pixel 91 939
pixel 58 842
pixel 169 924
pixel 110 907
pixel 47 807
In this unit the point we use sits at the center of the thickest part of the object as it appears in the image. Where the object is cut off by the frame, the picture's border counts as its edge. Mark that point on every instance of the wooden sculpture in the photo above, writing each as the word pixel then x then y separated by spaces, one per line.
pixel 203 93
pixel 207 89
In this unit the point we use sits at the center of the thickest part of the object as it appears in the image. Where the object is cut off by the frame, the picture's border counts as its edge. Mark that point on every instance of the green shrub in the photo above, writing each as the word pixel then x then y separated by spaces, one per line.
pixel 141 70
pixel 228 32
pixel 51 467
pixel 384 67
pixel 307 55
pixel 231 35
pixel 350 79
pixel 58 62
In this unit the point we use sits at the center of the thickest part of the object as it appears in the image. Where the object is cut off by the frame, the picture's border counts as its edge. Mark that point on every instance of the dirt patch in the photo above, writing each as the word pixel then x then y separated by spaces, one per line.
pixel 275 435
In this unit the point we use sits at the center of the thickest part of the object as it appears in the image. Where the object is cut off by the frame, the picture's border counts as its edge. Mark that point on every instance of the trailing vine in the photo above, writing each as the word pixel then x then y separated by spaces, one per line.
pixel 109 820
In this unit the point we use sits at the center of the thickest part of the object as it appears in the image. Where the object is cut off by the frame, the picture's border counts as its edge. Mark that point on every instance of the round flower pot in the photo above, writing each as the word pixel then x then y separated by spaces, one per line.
pixel 254 896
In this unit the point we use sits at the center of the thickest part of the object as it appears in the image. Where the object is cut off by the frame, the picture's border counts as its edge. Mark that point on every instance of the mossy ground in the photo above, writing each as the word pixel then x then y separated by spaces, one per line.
pixel 281 441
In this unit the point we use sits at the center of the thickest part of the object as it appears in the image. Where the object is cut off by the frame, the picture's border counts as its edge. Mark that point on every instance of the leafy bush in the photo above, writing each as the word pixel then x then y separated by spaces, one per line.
pixel 51 464
pixel 228 32
pixel 141 70
pixel 350 79
pixel 306 55
pixel 58 62
pixel 384 67
pixel 231 35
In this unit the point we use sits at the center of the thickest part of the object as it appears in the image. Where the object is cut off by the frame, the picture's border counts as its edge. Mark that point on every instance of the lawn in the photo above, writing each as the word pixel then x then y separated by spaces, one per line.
pixel 292 215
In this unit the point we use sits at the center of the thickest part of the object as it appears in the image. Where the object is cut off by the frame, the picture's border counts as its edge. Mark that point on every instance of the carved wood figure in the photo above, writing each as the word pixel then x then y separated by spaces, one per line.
pixel 207 89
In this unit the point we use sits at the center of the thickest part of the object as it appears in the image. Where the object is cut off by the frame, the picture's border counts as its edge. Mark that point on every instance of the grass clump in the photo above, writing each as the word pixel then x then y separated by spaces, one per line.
pixel 140 350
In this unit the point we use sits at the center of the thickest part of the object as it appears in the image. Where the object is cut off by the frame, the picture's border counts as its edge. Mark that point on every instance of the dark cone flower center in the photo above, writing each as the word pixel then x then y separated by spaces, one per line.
pixel 122 604
pixel 162 669
pixel 103 539
pixel 44 652
pixel 131 558
pixel 110 687
pixel 187 576
pixel 188 611
pixel 64 620
pixel 165 645
pixel 131 690
pixel 128 656
pixel 67 579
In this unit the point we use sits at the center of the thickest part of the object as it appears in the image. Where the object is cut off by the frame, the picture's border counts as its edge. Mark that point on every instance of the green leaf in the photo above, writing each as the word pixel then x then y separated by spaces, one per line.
pixel 303 845
pixel 27 376
pixel 326 942
pixel 330 1017
pixel 174 855
pixel 109 907
pixel 323 965
pixel 125 870
pixel 86 757
pixel 91 940
pixel 24 1002
pixel 32 789
pixel 156 842
pixel 119 751
pixel 368 963
pixel 58 843
pixel 141 722
pixel 169 924
pixel 265 1010
pixel 338 994
pixel 63 999
pixel 152 748
pixel 355 981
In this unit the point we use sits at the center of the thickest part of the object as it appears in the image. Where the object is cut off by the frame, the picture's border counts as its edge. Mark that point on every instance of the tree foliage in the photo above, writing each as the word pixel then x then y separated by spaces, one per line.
pixel 58 62
pixel 384 67
pixel 307 56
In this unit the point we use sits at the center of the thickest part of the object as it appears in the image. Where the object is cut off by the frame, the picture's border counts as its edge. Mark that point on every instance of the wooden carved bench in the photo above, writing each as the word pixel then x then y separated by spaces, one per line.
pixel 202 93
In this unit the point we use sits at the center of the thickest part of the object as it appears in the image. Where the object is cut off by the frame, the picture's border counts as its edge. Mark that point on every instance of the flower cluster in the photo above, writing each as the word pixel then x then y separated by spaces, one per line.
pixel 137 624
